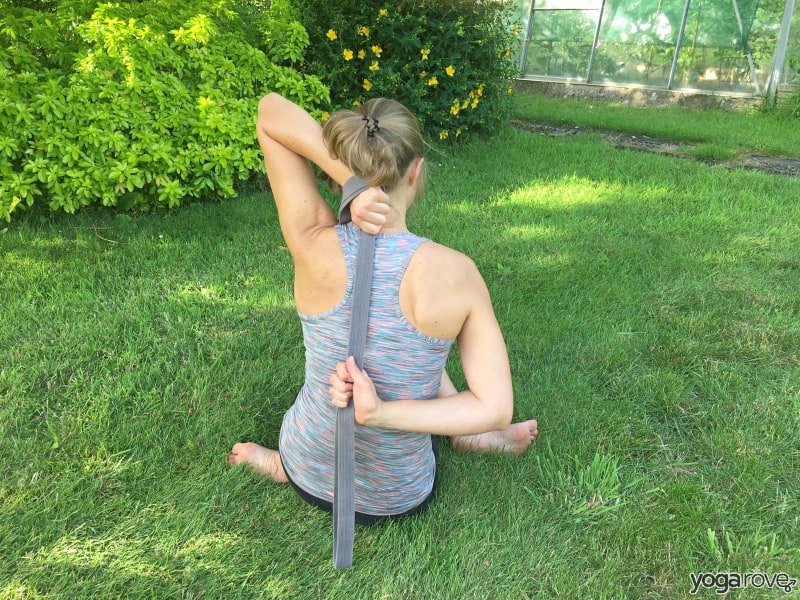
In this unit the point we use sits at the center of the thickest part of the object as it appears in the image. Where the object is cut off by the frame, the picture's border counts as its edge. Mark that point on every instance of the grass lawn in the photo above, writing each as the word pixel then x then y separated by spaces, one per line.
pixel 651 307
pixel 724 131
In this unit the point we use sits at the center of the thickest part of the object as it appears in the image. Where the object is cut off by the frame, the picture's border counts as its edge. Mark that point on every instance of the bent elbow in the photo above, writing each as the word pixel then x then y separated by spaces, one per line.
pixel 497 410
pixel 266 107
pixel 504 414
pixel 505 418
pixel 267 100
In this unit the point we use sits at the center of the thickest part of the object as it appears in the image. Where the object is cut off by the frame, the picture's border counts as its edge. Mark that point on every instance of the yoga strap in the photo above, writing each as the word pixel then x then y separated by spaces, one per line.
pixel 344 490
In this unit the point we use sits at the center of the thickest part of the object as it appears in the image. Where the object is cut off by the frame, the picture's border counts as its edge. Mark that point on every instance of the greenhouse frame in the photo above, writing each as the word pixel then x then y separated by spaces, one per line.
pixel 726 47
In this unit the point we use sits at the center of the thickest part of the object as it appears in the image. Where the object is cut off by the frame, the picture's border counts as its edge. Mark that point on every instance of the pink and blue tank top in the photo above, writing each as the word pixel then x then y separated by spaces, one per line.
pixel 394 469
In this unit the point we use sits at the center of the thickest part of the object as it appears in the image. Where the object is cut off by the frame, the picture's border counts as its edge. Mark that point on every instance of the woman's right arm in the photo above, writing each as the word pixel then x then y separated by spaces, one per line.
pixel 486 405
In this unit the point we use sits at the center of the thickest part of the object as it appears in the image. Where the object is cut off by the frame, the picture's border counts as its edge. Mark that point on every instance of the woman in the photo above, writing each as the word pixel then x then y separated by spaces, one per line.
pixel 424 297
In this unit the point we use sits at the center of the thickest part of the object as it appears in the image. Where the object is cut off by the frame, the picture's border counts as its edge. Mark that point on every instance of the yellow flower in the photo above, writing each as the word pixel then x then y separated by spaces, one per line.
pixel 443 135
pixel 331 34
pixel 475 103
pixel 516 30
pixel 348 54
pixel 361 54
pixel 356 103
pixel 425 53
pixel 374 66
pixel 455 108
pixel 367 84
pixel 508 51
pixel 325 115
pixel 433 81
pixel 465 104
pixel 510 90
pixel 423 74
pixel 363 30
pixel 383 12
pixel 450 70
pixel 376 50
pixel 458 132
pixel 480 90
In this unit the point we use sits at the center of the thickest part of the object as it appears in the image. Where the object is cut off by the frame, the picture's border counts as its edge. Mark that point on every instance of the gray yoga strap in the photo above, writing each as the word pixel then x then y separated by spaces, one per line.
pixel 344 490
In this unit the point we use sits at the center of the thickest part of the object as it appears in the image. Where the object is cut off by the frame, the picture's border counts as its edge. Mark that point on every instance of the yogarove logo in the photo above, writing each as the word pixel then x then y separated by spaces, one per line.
pixel 722 583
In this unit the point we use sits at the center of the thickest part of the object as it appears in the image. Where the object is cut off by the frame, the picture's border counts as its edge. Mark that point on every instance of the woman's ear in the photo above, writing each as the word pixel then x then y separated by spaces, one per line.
pixel 415 170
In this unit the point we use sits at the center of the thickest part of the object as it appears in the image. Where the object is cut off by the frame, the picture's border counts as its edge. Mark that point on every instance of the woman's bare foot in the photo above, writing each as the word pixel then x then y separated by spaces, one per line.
pixel 515 439
pixel 259 459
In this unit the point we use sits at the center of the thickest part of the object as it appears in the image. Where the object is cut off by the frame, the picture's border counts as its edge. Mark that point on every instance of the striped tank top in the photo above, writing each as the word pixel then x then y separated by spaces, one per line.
pixel 394 469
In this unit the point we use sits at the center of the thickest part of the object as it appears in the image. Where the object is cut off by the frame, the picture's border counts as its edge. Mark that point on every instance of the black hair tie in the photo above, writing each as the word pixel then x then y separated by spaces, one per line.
pixel 371 126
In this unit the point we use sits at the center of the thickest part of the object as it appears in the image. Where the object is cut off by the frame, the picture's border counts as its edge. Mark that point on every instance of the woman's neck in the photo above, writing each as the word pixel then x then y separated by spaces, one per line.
pixel 400 200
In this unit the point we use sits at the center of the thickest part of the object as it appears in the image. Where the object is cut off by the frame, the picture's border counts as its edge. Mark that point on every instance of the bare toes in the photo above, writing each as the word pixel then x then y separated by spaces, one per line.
pixel 237 454
pixel 259 459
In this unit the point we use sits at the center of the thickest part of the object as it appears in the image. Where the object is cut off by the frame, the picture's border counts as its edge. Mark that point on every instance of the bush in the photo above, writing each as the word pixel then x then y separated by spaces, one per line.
pixel 141 104
pixel 450 62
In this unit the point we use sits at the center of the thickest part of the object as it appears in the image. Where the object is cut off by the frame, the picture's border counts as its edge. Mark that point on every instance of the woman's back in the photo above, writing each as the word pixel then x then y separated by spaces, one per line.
pixel 394 469
pixel 434 295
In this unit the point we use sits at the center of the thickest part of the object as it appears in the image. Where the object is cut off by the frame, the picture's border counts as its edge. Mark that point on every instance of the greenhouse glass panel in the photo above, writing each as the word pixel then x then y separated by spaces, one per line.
pixel 637 42
pixel 728 45
pixel 567 4
pixel 560 42
pixel 705 45
pixel 791 66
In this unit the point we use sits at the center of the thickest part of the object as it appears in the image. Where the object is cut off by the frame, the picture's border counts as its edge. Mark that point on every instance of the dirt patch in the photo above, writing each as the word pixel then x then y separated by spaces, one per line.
pixel 774 165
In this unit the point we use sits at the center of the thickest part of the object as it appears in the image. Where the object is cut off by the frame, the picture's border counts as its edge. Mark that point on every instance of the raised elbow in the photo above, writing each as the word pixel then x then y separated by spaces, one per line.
pixel 267 101
pixel 266 108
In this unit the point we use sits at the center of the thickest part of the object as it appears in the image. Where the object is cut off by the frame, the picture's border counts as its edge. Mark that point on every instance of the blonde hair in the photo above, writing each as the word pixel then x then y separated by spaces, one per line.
pixel 377 140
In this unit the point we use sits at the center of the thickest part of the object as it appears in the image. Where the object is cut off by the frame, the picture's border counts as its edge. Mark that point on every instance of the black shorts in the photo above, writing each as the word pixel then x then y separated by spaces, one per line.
pixel 364 518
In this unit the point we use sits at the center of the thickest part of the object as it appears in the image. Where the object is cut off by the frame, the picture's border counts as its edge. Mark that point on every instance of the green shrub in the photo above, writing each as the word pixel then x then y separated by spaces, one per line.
pixel 450 62
pixel 140 104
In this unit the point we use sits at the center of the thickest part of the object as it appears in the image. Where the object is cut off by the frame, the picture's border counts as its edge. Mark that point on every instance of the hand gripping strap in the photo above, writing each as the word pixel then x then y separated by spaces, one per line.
pixel 351 188
pixel 344 486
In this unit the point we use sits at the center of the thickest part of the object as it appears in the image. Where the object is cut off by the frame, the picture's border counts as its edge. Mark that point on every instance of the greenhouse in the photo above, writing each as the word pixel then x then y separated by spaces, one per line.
pixel 731 47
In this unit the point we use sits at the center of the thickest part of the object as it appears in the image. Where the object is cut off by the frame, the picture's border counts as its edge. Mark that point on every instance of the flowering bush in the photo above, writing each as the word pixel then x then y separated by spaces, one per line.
pixel 450 62
pixel 139 104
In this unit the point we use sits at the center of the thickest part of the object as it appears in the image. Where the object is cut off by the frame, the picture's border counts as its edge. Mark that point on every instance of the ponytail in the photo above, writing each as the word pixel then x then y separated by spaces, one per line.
pixel 377 141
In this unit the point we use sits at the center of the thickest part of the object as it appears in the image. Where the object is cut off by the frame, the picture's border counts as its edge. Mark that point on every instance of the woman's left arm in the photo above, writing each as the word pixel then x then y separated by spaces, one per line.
pixel 290 137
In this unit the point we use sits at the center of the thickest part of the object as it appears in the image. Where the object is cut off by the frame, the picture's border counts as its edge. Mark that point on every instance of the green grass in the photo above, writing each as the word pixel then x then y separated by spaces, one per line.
pixel 711 152
pixel 730 131
pixel 652 312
